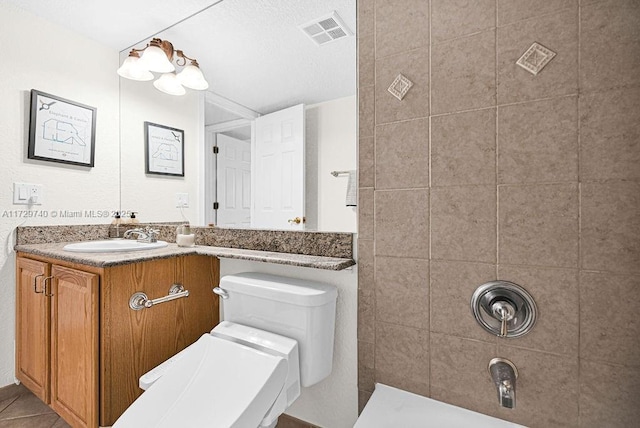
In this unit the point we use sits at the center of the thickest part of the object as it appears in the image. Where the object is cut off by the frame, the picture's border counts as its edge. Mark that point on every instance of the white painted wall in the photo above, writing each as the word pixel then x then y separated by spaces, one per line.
pixel 331 142
pixel 37 54
pixel 154 196
pixel 332 402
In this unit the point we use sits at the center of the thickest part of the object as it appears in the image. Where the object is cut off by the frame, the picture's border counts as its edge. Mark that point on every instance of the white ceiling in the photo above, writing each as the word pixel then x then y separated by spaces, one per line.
pixel 251 51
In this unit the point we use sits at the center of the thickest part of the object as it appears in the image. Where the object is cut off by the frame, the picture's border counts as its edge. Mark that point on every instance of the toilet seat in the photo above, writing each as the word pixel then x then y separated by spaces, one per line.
pixel 216 383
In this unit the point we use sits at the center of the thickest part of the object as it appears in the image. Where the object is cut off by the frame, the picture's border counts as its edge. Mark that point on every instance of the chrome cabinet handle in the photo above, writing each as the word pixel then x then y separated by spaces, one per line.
pixel 35 283
pixel 140 300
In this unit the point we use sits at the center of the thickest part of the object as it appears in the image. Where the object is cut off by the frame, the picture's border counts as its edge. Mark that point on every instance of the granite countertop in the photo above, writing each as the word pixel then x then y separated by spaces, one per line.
pixel 112 259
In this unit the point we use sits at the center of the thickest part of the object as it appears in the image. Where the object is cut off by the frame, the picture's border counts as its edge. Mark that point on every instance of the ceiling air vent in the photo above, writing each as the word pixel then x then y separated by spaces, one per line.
pixel 326 29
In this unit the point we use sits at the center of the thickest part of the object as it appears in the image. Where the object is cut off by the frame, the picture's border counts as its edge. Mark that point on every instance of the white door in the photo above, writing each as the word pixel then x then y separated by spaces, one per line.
pixel 278 167
pixel 234 182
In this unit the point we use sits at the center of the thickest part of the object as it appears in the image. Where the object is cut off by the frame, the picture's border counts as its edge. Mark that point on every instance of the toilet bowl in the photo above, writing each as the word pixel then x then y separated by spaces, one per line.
pixel 277 334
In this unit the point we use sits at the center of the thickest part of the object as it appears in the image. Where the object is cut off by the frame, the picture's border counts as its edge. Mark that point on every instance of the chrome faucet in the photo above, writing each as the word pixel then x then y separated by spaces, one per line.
pixel 504 374
pixel 147 235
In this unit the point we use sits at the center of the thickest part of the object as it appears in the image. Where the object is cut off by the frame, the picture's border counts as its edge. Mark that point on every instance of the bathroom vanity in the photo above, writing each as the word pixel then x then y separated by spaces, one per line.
pixel 81 348
pixel 84 335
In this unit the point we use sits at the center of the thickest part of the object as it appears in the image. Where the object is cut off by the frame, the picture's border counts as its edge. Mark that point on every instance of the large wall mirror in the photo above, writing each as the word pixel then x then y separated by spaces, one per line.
pixel 272 142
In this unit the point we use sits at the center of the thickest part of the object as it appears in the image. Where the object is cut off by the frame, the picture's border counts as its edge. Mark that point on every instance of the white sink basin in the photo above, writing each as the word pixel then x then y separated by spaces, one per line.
pixel 112 246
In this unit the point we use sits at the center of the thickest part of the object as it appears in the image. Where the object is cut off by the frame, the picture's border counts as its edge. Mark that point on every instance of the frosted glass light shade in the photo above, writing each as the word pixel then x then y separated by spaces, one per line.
pixel 192 78
pixel 131 69
pixel 169 84
pixel 154 59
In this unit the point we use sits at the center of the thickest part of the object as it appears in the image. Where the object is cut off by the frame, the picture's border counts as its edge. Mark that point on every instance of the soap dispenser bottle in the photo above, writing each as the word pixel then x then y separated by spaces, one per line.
pixel 133 218
pixel 114 229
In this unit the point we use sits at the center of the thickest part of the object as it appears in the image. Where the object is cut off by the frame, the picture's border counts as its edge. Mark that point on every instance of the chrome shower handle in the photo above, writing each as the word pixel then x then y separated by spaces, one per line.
pixel 504 312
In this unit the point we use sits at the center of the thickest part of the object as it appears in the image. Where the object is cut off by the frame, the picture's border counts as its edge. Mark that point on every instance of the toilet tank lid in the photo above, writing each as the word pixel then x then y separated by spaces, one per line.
pixel 296 291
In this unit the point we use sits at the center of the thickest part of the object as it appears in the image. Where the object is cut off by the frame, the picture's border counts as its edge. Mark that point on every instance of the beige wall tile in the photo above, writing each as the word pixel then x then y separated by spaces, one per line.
pixel 546 389
pixel 402 357
pixel 452 285
pixel 608 396
pixel 558 32
pixel 402 155
pixel 402 223
pixel 463 148
pixel 401 25
pixel 366 14
pixel 463 223
pixel 455 18
pixel 538 141
pixel 539 225
pixel 366 366
pixel 610 329
pixel 366 111
pixel 365 265
pixel 402 291
pixel 366 159
pixel 365 213
pixel 366 61
pixel 611 226
pixel 610 135
pixel 510 11
pixel 414 65
pixel 463 73
pixel 609 44
pixel 555 292
pixel 366 316
pixel 459 373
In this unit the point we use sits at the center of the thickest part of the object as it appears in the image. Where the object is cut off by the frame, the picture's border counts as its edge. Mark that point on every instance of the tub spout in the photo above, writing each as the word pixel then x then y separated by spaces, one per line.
pixel 504 375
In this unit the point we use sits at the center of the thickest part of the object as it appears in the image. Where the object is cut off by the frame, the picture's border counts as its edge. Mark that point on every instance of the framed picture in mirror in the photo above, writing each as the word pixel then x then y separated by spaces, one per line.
pixel 164 150
pixel 61 130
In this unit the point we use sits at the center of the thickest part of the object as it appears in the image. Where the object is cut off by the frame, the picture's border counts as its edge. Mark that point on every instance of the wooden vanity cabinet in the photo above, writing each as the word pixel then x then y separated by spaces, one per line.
pixel 81 348
pixel 57 337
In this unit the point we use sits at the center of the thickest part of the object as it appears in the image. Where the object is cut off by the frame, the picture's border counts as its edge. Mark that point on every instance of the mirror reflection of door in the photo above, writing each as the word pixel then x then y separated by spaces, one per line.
pixel 234 182
pixel 279 180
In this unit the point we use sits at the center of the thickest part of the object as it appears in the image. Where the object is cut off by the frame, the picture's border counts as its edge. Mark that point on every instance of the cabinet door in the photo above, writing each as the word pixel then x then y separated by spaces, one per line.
pixel 74 345
pixel 32 327
pixel 133 342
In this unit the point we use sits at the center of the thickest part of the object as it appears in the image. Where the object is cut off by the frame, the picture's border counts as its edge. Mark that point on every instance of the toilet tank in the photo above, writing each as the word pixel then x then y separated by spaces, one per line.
pixel 296 308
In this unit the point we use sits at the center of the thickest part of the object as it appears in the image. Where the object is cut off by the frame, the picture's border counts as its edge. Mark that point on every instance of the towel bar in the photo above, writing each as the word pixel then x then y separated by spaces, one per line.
pixel 139 300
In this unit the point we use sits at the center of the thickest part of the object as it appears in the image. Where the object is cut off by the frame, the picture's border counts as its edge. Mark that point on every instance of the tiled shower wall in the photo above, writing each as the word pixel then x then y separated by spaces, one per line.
pixel 486 171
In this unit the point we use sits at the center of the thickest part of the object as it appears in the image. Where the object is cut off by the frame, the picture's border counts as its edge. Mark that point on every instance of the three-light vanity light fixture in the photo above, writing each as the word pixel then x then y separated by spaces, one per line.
pixel 158 56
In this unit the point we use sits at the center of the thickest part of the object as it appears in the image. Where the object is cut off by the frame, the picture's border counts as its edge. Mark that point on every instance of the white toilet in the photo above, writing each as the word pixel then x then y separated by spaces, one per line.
pixel 276 335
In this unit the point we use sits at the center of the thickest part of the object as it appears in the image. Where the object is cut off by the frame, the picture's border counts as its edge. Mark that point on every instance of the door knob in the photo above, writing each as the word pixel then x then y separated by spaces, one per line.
pixel 296 220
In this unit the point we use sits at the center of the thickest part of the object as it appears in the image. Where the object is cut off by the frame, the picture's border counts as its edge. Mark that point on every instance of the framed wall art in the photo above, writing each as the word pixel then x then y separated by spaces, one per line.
pixel 61 130
pixel 164 150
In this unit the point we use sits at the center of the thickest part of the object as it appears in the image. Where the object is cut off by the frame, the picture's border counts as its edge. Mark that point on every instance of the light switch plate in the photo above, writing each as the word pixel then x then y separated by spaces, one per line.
pixel 27 194
pixel 182 200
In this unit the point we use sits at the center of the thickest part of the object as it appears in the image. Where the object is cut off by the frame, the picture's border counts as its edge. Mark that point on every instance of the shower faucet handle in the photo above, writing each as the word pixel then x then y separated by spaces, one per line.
pixel 504 312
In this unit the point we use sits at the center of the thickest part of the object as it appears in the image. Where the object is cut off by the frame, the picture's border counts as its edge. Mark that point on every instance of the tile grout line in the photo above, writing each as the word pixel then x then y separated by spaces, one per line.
pixel 579 417
pixel 497 219
pixel 429 196
pixel 375 182
pixel 471 110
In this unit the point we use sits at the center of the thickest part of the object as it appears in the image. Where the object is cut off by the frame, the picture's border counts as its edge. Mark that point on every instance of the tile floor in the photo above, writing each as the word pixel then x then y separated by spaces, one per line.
pixel 19 408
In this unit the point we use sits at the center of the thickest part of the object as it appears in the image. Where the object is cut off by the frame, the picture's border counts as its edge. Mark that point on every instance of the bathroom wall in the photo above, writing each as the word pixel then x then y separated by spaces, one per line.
pixel 154 196
pixel 40 55
pixel 330 145
pixel 333 401
pixel 486 171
